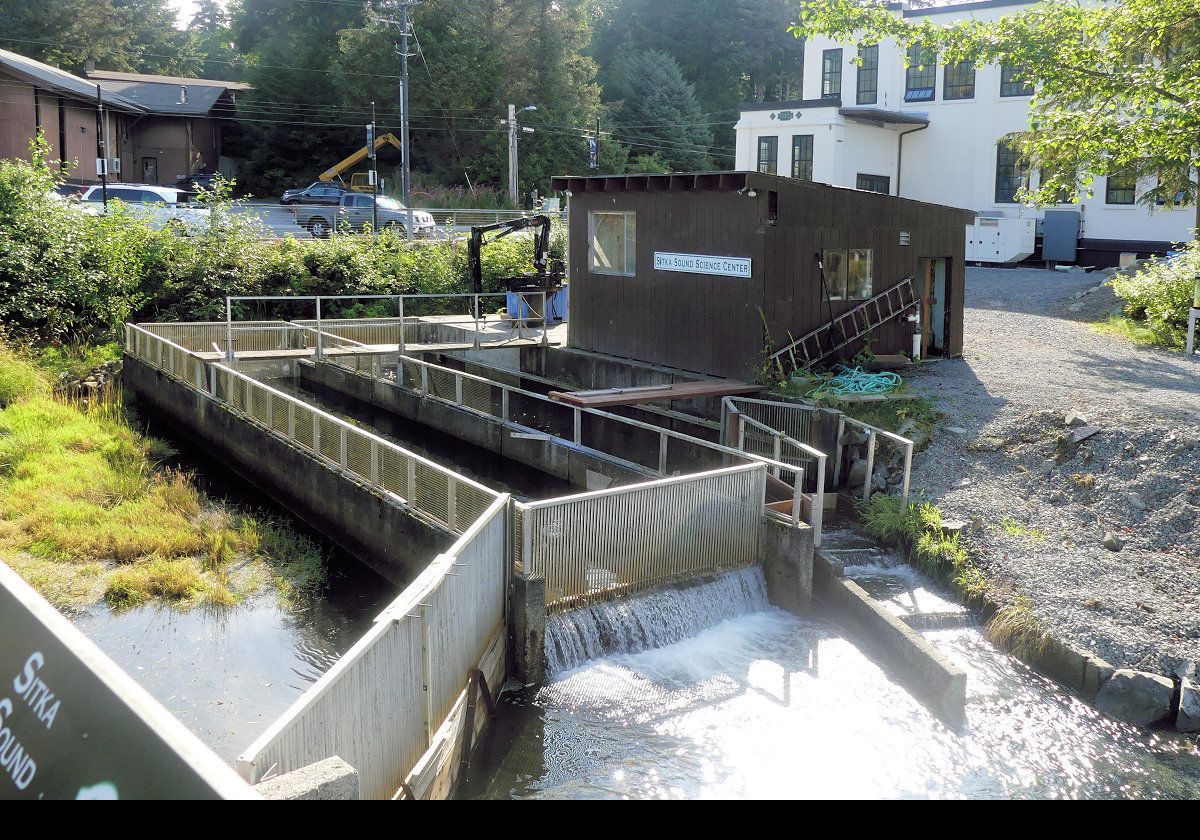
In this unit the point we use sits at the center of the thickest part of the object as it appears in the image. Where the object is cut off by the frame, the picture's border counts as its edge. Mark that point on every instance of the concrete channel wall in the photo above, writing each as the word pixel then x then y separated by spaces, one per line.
pixel 381 533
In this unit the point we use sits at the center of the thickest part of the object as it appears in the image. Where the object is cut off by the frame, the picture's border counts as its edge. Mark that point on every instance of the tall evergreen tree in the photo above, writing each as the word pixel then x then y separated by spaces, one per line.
pixel 656 112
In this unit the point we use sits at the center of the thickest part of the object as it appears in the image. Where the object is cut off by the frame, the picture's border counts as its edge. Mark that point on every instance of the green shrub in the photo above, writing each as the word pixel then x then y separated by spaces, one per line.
pixel 1161 293
pixel 68 276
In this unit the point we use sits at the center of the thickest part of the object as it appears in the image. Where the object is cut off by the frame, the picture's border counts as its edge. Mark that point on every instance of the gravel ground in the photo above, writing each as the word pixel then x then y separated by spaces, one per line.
pixel 1040 506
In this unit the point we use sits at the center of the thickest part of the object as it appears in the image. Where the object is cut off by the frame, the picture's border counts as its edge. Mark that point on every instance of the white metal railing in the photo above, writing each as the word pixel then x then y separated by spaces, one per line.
pixel 638 537
pixel 383 333
pixel 777 422
pixel 873 435
pixel 381 704
pixel 790 451
pixel 428 489
pixel 673 452
pixel 215 336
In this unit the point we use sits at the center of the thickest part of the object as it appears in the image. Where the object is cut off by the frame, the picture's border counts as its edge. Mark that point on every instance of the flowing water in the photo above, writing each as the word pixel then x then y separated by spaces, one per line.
pixel 227 674
pixel 710 692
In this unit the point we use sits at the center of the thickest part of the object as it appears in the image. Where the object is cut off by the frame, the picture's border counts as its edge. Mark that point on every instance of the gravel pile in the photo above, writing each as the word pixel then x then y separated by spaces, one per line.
pixel 1075 457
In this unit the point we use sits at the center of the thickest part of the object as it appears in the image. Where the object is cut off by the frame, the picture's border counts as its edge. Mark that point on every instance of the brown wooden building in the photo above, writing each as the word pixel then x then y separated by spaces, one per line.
pixel 706 272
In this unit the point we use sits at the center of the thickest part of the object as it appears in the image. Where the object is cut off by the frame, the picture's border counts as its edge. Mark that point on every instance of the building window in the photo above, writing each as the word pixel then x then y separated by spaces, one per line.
pixel 920 78
pixel 868 75
pixel 1010 173
pixel 802 157
pixel 959 82
pixel 1120 188
pixel 1011 83
pixel 831 74
pixel 614 241
pixel 875 183
pixel 848 273
pixel 768 155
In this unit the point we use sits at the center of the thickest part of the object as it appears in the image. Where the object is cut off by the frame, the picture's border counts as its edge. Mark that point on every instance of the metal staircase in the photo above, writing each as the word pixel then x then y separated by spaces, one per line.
pixel 848 327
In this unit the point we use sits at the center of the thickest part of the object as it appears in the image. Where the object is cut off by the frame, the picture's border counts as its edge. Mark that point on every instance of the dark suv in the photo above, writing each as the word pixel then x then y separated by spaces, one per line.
pixel 316 193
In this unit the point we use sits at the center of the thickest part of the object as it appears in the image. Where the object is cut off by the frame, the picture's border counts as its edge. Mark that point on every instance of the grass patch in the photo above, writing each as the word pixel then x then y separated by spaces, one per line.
pixel 919 527
pixel 19 378
pixel 86 511
pixel 1016 627
pixel 1146 333
pixel 76 361
pixel 1016 530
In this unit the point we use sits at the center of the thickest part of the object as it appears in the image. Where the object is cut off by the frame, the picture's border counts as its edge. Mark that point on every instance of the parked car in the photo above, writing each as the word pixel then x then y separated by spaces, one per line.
pixel 162 206
pixel 318 193
pixel 69 190
pixel 354 213
pixel 192 184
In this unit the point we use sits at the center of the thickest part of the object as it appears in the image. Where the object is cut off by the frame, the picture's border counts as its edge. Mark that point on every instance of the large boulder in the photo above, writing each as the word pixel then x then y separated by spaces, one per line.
pixel 1136 697
pixel 1188 719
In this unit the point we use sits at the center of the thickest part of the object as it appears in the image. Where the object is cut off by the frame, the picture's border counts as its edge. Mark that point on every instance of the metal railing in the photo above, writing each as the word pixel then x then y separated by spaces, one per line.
pixel 778 422
pixel 214 336
pixel 370 333
pixel 628 539
pixel 427 489
pixel 873 435
pixel 653 450
pixel 798 456
pixel 381 705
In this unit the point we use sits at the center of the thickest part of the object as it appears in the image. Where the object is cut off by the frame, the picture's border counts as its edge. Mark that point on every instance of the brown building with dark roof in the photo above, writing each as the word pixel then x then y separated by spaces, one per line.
pixel 714 272
pixel 159 128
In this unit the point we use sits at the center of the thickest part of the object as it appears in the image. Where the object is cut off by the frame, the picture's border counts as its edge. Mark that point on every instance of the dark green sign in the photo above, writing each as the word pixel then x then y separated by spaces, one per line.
pixel 74 726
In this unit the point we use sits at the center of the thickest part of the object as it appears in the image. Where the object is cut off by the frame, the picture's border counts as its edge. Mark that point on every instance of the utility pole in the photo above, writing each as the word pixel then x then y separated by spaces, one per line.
pixel 101 150
pixel 513 130
pixel 402 49
pixel 374 175
pixel 405 171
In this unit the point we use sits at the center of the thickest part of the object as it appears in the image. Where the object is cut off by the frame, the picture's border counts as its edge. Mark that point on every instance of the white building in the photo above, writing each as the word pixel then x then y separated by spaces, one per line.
pixel 934 134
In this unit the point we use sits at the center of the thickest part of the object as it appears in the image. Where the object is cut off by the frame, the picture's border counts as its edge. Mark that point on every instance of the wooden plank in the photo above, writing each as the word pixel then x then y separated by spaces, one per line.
pixel 633 396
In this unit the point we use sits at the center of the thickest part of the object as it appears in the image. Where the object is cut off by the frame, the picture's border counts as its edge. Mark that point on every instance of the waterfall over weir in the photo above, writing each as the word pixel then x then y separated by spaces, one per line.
pixel 651 620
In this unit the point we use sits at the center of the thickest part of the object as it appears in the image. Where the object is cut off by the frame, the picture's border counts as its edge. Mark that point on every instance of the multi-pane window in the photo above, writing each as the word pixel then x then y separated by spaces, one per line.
pixel 1011 83
pixel 868 75
pixel 848 273
pixel 614 242
pixel 921 76
pixel 1010 173
pixel 831 74
pixel 874 183
pixel 802 157
pixel 959 81
pixel 768 155
pixel 1120 188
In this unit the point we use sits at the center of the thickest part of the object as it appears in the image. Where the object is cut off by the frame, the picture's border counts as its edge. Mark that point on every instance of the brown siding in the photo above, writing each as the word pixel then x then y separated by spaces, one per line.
pixel 711 324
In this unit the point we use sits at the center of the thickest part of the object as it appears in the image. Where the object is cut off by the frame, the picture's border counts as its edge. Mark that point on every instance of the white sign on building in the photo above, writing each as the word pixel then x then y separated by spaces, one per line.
pixel 701 264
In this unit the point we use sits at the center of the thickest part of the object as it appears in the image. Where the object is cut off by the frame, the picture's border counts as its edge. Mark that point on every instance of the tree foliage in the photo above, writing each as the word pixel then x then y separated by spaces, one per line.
pixel 1116 87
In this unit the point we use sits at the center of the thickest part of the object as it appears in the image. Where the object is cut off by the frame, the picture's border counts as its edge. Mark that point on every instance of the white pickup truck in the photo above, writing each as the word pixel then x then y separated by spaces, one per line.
pixel 162 206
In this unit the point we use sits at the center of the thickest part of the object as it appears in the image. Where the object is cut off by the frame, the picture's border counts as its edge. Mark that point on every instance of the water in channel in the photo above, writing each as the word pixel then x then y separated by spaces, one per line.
pixel 710 692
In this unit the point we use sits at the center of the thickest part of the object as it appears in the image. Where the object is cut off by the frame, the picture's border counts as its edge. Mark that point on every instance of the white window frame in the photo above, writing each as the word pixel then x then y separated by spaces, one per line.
pixel 628 260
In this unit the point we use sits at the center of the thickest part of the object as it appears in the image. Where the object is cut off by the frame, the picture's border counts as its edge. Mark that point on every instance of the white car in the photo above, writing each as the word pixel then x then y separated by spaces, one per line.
pixel 162 206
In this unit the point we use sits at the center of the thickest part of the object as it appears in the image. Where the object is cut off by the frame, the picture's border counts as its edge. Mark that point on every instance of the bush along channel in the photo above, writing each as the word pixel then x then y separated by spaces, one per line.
pixel 942 550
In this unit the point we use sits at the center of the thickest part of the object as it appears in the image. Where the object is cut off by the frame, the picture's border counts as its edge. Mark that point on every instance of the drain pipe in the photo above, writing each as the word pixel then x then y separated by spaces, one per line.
pixel 900 153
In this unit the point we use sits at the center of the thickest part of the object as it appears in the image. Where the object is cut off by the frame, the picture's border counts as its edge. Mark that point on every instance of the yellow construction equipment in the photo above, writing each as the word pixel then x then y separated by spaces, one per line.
pixel 359 181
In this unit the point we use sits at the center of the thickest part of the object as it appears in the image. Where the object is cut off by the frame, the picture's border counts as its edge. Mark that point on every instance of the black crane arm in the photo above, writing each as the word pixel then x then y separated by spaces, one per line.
pixel 541 249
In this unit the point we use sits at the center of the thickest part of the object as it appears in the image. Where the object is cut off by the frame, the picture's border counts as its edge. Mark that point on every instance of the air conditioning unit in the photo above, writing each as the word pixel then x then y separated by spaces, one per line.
pixel 995 239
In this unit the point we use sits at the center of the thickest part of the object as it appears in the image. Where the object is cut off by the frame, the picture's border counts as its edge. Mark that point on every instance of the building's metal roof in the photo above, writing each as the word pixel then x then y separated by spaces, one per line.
pixel 180 99
pixel 742 181
pixel 54 79
pixel 116 76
